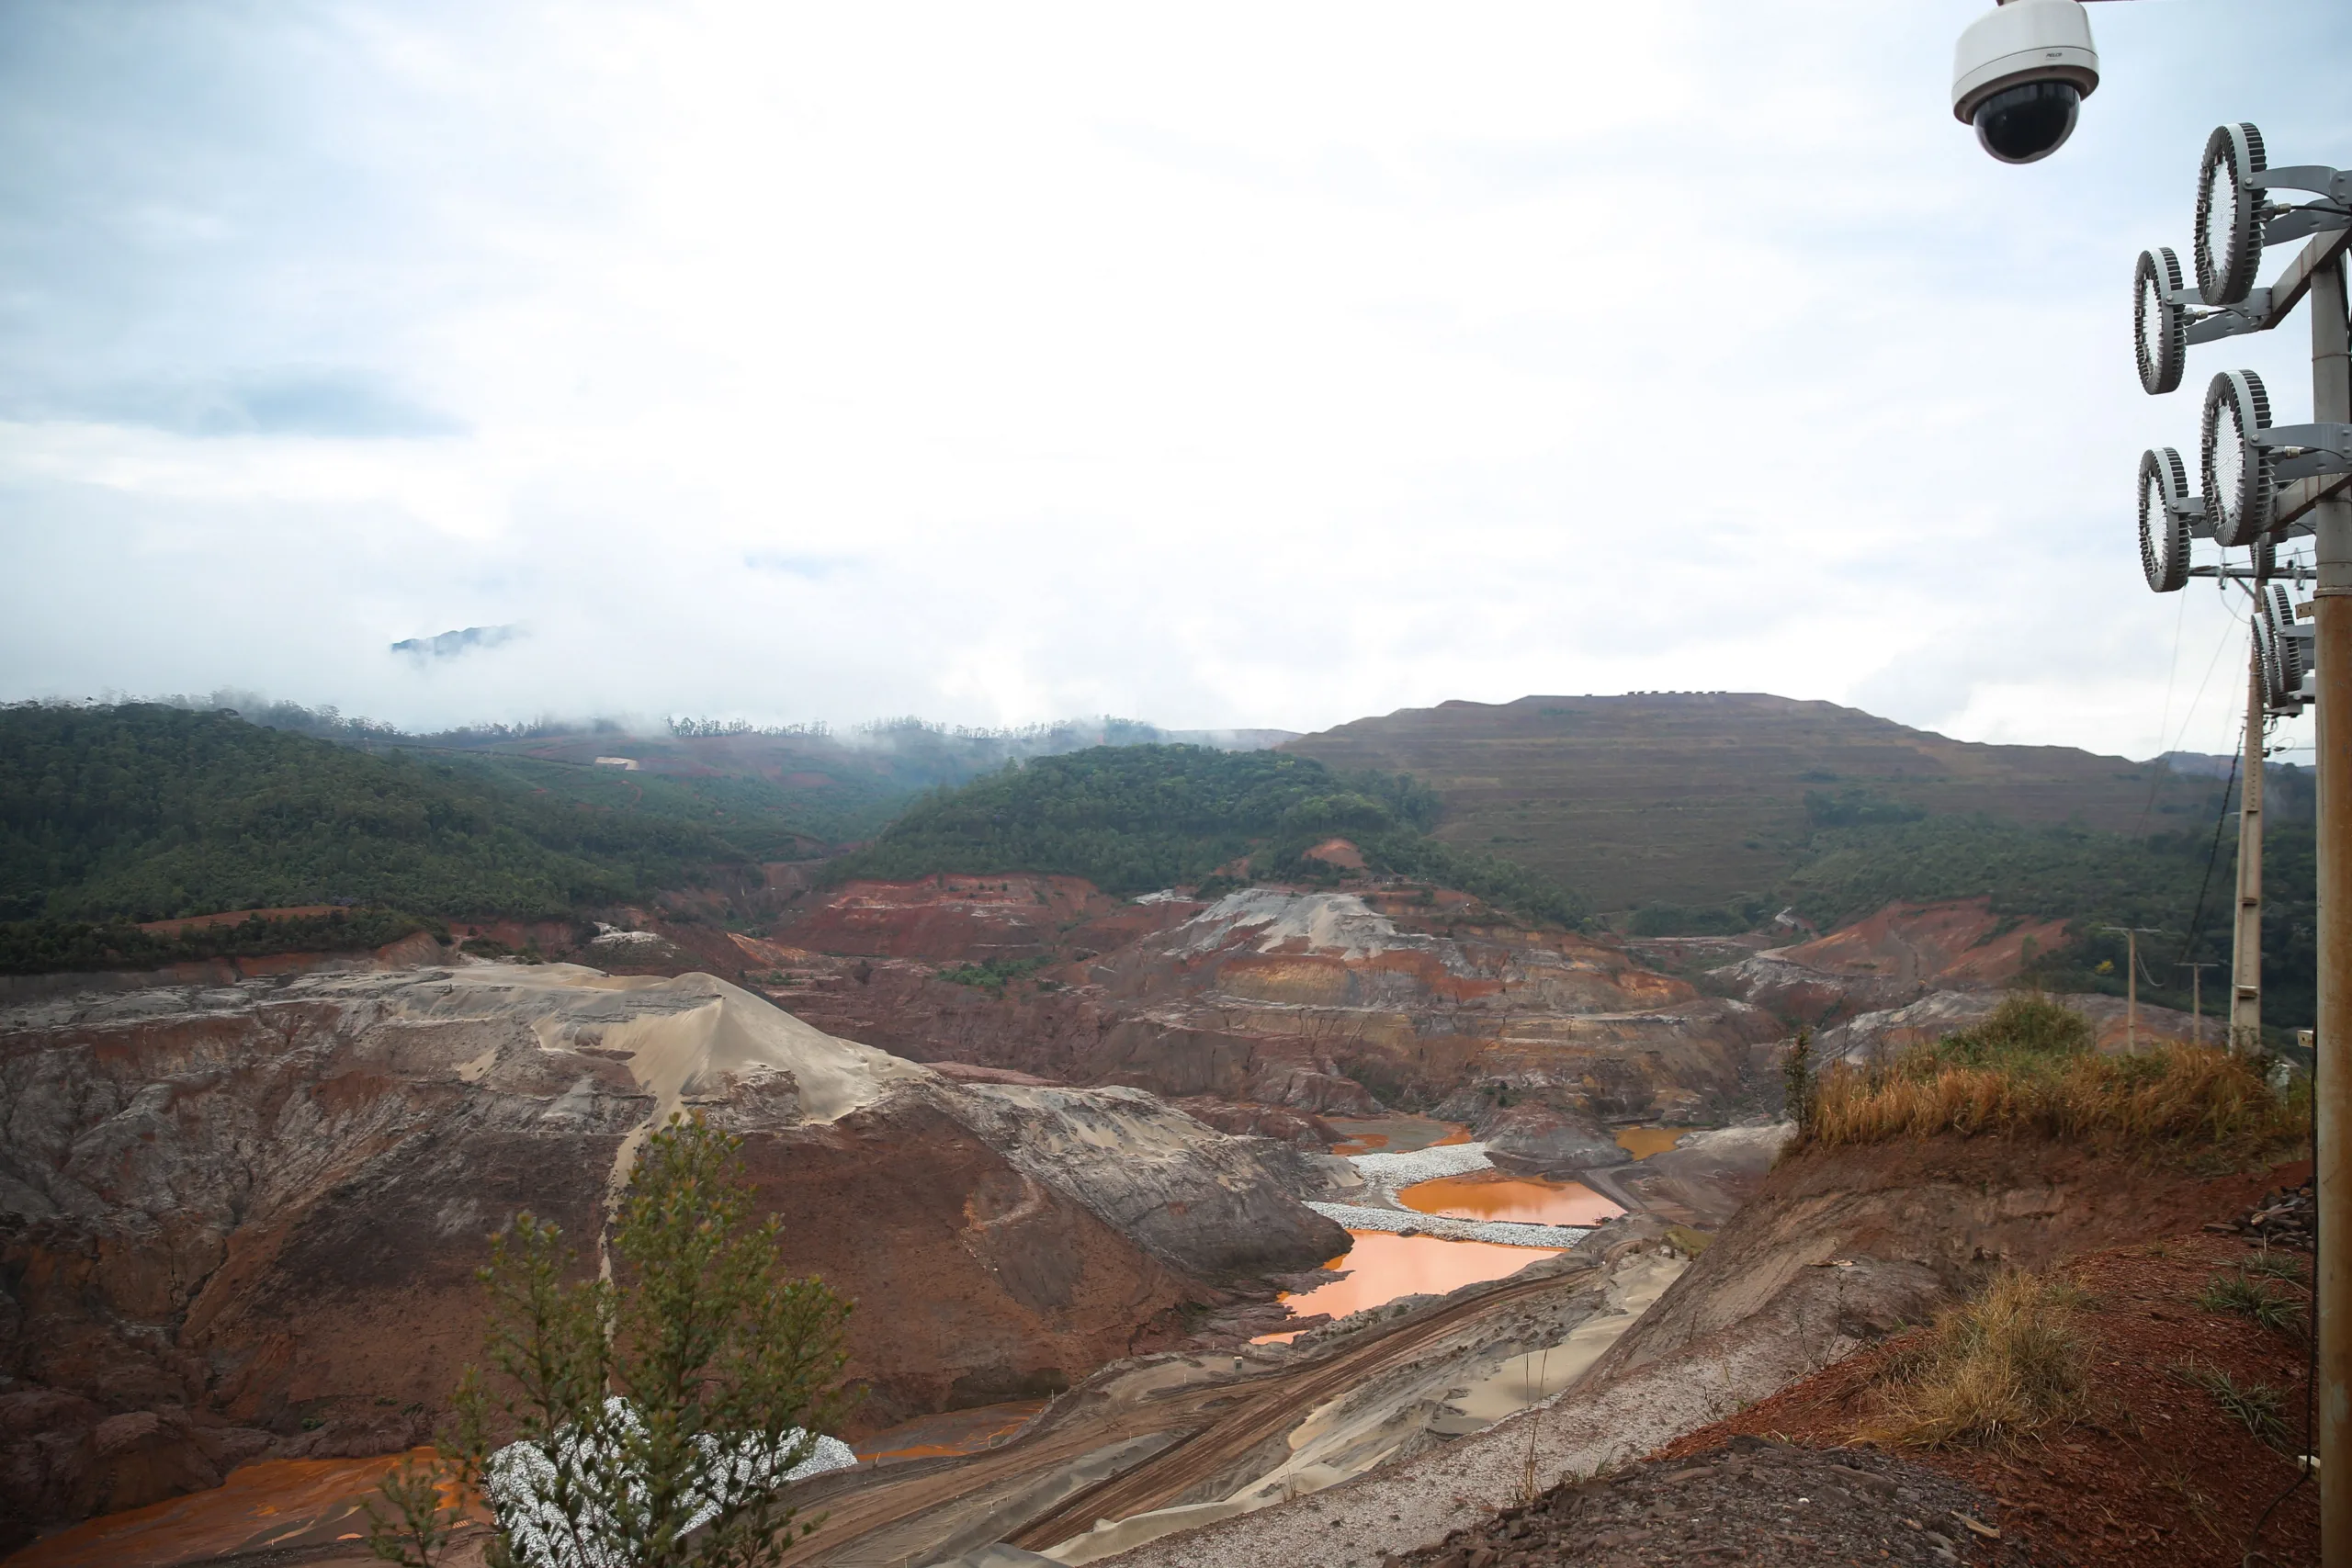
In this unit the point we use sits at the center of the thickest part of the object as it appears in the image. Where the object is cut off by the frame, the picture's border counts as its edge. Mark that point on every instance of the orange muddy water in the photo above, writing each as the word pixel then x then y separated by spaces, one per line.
pixel 1492 1195
pixel 1644 1142
pixel 282 1503
pixel 945 1436
pixel 1393 1135
pixel 1382 1267
pixel 310 1504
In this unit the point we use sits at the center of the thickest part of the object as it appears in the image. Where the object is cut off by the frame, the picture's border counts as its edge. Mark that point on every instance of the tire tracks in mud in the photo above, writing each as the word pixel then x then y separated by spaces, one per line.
pixel 1216 1425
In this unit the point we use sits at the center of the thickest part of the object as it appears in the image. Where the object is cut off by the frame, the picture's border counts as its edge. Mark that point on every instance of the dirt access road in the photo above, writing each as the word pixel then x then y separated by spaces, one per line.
pixel 1118 1446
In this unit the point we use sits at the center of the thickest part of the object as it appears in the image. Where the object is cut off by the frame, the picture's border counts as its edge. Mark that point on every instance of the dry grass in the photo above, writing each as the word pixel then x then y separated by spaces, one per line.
pixel 2030 1069
pixel 2006 1365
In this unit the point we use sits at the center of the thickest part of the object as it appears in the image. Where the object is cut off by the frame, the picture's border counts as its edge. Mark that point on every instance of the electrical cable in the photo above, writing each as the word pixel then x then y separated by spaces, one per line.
pixel 2211 664
pixel 2213 855
pixel 2164 721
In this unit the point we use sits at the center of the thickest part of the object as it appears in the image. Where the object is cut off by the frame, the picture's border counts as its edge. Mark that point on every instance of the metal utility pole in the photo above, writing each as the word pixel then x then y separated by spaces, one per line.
pixel 2196 996
pixel 2266 479
pixel 2245 942
pixel 2131 935
pixel 2331 1071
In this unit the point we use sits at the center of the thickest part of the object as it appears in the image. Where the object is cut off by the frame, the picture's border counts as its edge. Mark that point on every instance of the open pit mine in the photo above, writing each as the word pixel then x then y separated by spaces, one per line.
pixel 1167 1219
pixel 242 1221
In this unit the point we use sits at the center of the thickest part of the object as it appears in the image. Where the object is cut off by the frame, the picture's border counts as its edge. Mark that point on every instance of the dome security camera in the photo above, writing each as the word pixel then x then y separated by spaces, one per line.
pixel 2021 76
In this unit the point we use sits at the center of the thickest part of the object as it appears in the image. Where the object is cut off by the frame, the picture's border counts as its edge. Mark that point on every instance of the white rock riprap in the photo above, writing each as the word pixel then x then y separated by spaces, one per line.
pixel 1505 1232
pixel 1387 1174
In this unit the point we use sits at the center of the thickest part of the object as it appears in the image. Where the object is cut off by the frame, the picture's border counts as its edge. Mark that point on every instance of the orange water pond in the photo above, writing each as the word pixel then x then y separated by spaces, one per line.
pixel 1393 1135
pixel 1492 1195
pixel 1382 1267
pixel 1644 1142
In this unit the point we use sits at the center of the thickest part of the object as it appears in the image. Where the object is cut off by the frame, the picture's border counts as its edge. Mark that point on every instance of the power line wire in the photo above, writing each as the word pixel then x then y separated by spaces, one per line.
pixel 2164 720
pixel 2213 854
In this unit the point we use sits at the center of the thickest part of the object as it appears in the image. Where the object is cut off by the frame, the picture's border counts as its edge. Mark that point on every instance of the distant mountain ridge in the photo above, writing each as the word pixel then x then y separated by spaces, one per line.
pixel 1693 797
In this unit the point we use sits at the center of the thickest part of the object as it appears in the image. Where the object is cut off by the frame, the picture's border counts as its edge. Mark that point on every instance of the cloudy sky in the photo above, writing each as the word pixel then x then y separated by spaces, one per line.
pixel 1248 365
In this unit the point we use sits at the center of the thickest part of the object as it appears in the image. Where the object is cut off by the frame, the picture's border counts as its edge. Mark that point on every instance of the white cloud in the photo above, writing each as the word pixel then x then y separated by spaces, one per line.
pixel 1222 367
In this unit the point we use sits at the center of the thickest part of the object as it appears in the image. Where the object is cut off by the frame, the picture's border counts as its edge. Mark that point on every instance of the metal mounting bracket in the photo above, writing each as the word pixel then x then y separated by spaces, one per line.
pixel 2264 308
pixel 2246 573
pixel 2318 178
pixel 2305 451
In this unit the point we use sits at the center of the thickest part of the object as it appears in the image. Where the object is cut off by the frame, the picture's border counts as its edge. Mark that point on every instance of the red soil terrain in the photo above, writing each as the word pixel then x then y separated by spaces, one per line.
pixel 951 919
pixel 1954 944
pixel 2156 1474
pixel 1318 1002
pixel 246 1223
pixel 1900 953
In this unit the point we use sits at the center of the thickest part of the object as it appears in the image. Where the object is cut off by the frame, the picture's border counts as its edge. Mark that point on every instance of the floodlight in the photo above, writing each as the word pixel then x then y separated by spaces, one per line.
pixel 2241 488
pixel 2159 332
pixel 2165 508
pixel 2288 655
pixel 2228 246
pixel 2265 650
pixel 2021 76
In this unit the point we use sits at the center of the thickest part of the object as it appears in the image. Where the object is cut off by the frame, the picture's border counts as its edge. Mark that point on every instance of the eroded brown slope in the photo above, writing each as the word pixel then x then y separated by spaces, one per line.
pixel 1312 1000
pixel 1837 1249
pixel 243 1220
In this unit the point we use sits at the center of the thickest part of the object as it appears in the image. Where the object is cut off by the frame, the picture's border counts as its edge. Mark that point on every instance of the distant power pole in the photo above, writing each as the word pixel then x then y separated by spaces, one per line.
pixel 2245 944
pixel 2196 996
pixel 2131 935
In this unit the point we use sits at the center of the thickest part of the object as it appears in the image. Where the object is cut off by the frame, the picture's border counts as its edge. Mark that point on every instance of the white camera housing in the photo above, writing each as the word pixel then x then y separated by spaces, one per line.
pixel 2020 75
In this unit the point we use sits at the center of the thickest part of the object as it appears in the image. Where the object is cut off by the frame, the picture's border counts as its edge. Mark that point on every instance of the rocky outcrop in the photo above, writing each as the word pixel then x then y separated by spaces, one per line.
pixel 1201 1200
pixel 1246 1119
pixel 1886 1034
pixel 1704 1179
pixel 1890 958
pixel 1540 1136
pixel 245 1218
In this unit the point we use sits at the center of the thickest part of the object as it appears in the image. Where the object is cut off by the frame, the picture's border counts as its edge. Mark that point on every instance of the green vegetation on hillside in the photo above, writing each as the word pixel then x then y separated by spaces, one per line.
pixel 801 781
pixel 1690 798
pixel 143 812
pixel 2092 881
pixel 1133 818
pixel 48 947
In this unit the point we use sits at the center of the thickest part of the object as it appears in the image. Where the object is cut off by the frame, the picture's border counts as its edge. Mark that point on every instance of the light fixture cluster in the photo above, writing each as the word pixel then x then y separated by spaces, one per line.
pixel 2259 478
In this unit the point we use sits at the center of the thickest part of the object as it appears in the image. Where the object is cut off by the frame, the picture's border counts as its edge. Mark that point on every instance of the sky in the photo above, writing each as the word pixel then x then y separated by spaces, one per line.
pixel 1221 365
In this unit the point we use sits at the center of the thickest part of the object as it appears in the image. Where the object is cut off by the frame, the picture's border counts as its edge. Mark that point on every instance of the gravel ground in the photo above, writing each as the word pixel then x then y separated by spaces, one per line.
pixel 1387 1172
pixel 1754 1501
pixel 1357 1218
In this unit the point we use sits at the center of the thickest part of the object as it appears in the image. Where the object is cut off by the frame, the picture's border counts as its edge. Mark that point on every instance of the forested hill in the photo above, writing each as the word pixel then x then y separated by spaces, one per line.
pixel 1693 796
pixel 1131 818
pixel 144 812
